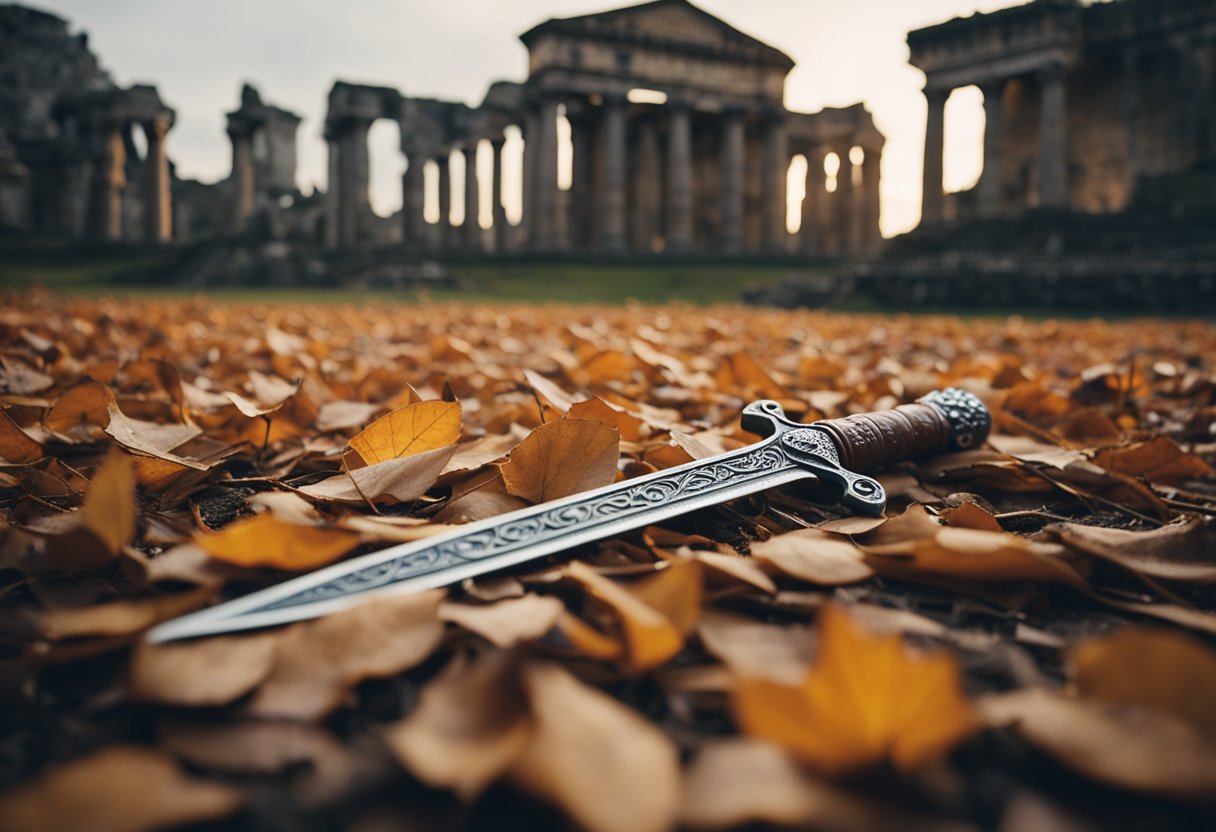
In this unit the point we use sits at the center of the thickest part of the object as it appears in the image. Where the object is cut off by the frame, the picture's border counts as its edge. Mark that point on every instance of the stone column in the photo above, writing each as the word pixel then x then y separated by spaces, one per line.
pixel 991 185
pixel 158 207
pixel 1131 116
pixel 871 179
pixel 333 194
pixel 444 226
pixel 810 234
pixel 241 179
pixel 544 227
pixel 775 162
pixel 1053 137
pixel 109 180
pixel 679 177
pixel 498 212
pixel 354 209
pixel 733 173
pixel 531 134
pixel 846 203
pixel 931 191
pixel 472 198
pixel 646 216
pixel 413 200
pixel 612 194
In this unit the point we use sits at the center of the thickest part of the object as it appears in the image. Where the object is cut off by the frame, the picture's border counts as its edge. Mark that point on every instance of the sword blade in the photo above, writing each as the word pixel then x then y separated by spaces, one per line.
pixel 510 539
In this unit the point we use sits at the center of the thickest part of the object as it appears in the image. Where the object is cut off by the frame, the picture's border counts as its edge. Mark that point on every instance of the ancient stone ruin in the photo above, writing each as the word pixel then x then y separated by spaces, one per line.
pixel 70 164
pixel 681 143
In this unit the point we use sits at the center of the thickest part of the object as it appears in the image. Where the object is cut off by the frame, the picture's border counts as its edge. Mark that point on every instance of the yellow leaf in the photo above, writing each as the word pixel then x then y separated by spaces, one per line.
pixel 561 458
pixel 652 637
pixel 418 427
pixel 264 540
pixel 865 700
pixel 109 508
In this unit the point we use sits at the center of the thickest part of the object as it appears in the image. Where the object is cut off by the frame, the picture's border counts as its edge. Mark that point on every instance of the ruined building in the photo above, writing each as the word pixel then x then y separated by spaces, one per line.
pixel 1084 103
pixel 71 161
pixel 679 136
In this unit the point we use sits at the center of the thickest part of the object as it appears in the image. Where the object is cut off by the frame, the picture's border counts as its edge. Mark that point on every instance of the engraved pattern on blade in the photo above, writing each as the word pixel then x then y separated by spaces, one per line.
pixel 524 531
pixel 966 413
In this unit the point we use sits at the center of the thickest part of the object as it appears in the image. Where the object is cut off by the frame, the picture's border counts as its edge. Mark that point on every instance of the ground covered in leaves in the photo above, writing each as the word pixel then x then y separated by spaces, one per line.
pixel 1023 642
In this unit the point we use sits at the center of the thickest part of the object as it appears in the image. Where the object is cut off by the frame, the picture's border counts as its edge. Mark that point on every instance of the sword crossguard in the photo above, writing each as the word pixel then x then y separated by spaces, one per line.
pixel 842 451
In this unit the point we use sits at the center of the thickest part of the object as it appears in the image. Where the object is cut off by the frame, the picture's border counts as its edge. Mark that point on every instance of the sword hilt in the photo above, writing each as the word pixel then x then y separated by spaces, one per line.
pixel 950 419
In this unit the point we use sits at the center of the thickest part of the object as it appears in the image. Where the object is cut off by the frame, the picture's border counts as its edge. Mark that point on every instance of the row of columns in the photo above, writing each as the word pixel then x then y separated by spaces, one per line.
pixel 1053 146
pixel 844 223
pixel 105 214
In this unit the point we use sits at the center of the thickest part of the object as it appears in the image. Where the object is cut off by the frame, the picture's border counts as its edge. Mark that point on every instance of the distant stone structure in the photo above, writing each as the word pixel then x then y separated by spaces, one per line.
pixel 1084 102
pixel 69 162
pixel 681 143
pixel 263 160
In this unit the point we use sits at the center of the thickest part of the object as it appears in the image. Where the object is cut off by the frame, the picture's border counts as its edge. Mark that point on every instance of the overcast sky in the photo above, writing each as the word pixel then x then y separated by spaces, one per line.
pixel 199 53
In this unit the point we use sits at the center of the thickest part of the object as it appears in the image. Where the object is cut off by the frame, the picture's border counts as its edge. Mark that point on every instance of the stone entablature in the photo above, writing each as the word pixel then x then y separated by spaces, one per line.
pixel 1081 101
pixel 699 162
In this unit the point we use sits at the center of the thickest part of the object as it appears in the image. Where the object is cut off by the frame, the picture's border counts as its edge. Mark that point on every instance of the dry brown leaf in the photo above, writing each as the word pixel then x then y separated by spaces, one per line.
pixel 120 618
pixel 813 556
pixel 975 555
pixel 318 662
pixel 1138 749
pixel 265 540
pixel 398 480
pixel 82 413
pixel 754 649
pixel 470 725
pixel 864 701
pixel 1163 669
pixel 1179 551
pixel 16 445
pixel 508 622
pixel 604 764
pixel 738 781
pixel 1157 460
pixel 418 427
pixel 560 458
pixel 322 767
pixel 121 788
pixel 203 672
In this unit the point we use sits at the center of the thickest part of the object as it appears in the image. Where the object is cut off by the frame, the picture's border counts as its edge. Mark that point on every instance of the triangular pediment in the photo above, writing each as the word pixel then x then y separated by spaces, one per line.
pixel 674 23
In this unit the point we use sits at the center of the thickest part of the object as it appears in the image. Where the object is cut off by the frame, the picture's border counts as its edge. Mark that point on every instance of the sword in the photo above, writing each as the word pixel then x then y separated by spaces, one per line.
pixel 837 451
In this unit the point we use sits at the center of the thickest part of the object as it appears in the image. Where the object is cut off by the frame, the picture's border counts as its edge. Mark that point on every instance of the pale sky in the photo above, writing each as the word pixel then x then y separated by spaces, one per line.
pixel 199 53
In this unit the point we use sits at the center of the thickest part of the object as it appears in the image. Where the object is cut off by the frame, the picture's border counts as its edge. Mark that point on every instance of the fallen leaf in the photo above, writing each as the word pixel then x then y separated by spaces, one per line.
pixel 470 725
pixel 652 638
pixel 120 618
pixel 866 700
pixel 1138 749
pixel 109 508
pixel 1175 552
pixel 1157 460
pixel 117 789
pixel 754 649
pixel 81 413
pixel 813 556
pixel 1163 669
pixel 399 480
pixel 16 445
pixel 201 673
pixel 265 540
pixel 508 622
pixel 418 427
pixel 606 765
pixel 560 458
pixel 318 662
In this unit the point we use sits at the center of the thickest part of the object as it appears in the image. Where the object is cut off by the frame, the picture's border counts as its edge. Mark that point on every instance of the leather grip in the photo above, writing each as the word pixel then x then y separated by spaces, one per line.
pixel 950 419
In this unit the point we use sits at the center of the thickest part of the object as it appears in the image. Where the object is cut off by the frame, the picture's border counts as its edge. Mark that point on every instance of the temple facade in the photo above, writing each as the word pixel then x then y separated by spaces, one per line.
pixel 679 142
pixel 1084 103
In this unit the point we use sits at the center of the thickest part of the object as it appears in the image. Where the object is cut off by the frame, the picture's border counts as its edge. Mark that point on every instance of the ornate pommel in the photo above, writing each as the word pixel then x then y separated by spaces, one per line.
pixel 950 419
